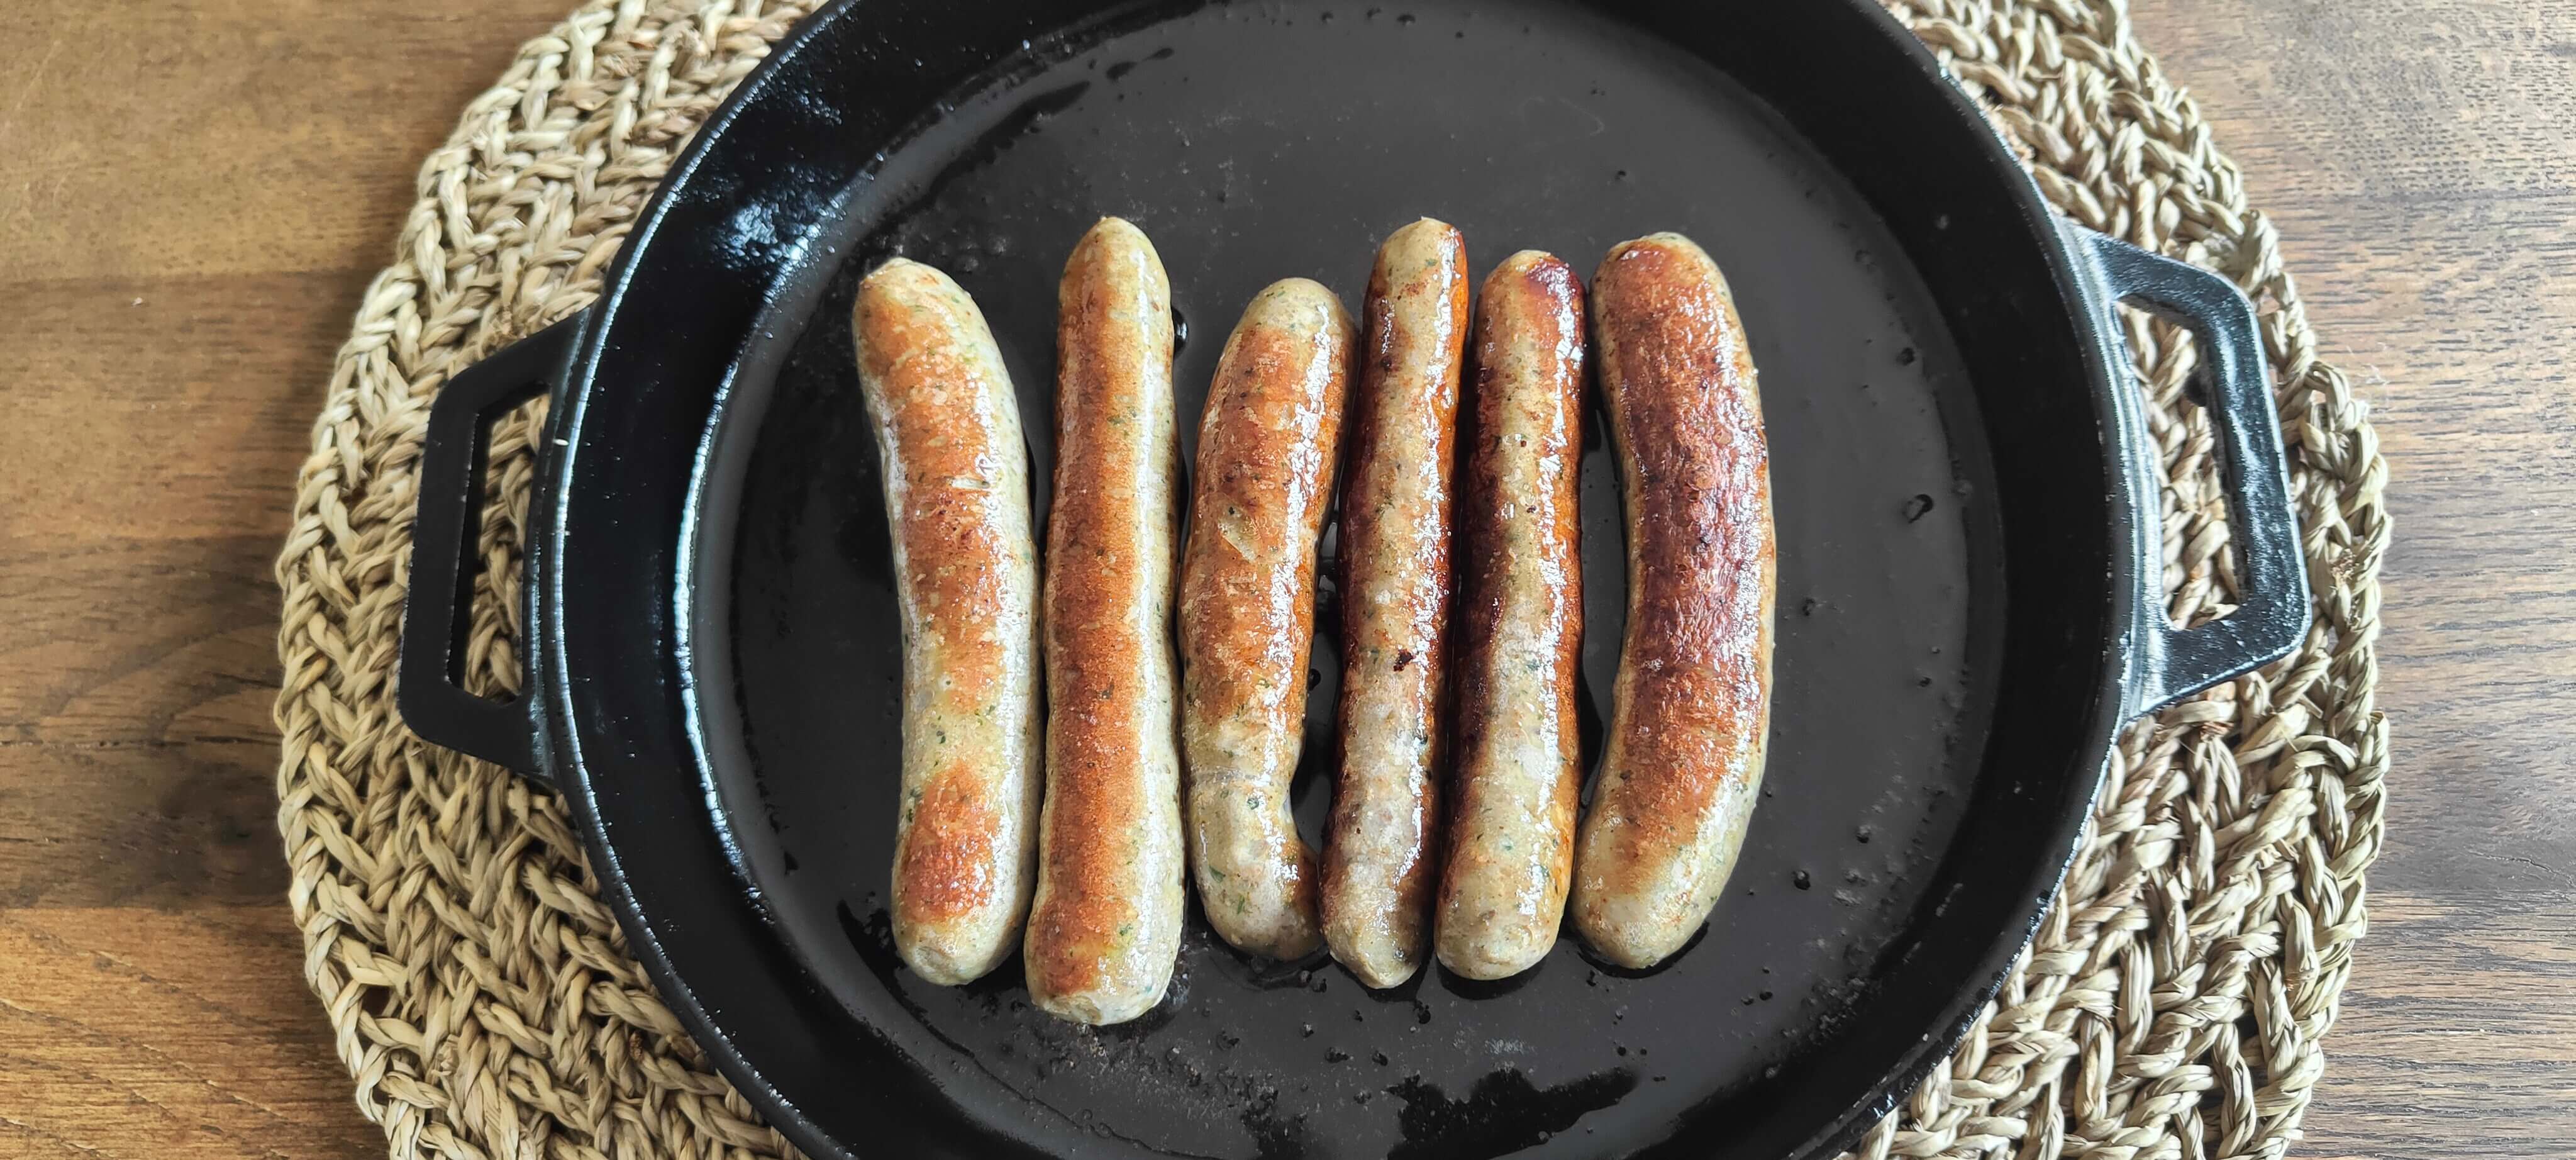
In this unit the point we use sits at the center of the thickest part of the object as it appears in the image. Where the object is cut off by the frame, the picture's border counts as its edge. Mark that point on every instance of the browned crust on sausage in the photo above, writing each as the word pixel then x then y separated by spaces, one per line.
pixel 948 868
pixel 939 523
pixel 1240 465
pixel 1536 301
pixel 1701 529
pixel 956 491
pixel 1395 540
pixel 1097 639
pixel 950 863
pixel 1695 665
pixel 1266 446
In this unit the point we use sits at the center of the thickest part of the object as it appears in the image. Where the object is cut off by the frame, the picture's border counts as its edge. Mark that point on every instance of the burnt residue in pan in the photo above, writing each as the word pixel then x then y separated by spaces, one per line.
pixel 1259 142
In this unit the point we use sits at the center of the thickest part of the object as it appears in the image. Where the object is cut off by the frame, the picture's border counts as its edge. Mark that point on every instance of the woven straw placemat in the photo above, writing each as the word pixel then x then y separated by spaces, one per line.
pixel 484 1003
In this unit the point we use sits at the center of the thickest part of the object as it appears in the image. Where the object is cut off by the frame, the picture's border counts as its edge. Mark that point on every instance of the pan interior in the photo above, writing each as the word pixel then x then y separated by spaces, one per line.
pixel 1260 142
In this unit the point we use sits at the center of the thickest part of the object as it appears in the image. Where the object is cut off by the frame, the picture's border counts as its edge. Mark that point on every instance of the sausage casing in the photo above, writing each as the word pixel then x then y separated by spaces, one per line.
pixel 1691 708
pixel 1105 925
pixel 1510 852
pixel 1247 609
pixel 1379 860
pixel 965 566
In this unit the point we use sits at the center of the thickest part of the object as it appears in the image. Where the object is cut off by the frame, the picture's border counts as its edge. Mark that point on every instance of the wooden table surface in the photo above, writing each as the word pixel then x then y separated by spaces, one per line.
pixel 193 194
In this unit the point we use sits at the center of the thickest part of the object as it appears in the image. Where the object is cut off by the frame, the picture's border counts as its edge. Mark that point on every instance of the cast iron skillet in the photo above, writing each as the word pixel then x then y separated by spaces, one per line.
pixel 1969 598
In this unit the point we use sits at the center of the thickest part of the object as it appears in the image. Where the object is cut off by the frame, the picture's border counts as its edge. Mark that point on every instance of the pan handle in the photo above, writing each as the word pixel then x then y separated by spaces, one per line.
pixel 2167 663
pixel 433 701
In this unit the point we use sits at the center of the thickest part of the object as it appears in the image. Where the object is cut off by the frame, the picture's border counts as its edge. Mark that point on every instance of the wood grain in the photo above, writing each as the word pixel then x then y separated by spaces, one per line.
pixel 2418 161
pixel 192 195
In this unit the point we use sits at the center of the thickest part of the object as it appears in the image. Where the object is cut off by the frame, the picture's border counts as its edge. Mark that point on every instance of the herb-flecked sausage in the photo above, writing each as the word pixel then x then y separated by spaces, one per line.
pixel 1519 626
pixel 1247 609
pixel 1105 926
pixel 965 565
pixel 1379 857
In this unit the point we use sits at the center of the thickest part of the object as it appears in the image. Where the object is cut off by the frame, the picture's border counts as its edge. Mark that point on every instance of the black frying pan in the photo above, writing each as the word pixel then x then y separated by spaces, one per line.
pixel 1968 551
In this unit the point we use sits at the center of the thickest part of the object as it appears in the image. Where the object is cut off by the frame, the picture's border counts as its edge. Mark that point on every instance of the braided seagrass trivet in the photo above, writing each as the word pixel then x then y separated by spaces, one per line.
pixel 2172 1006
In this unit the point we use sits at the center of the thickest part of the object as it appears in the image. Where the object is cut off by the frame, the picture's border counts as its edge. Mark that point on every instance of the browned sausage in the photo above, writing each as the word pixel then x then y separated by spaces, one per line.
pixel 1692 705
pixel 1520 627
pixel 1378 855
pixel 966 582
pixel 1106 923
pixel 1265 474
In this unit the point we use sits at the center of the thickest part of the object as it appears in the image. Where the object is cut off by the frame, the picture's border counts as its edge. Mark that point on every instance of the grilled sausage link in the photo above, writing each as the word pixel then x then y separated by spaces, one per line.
pixel 957 498
pixel 1520 627
pixel 1247 616
pixel 1692 704
pixel 1105 926
pixel 1378 857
